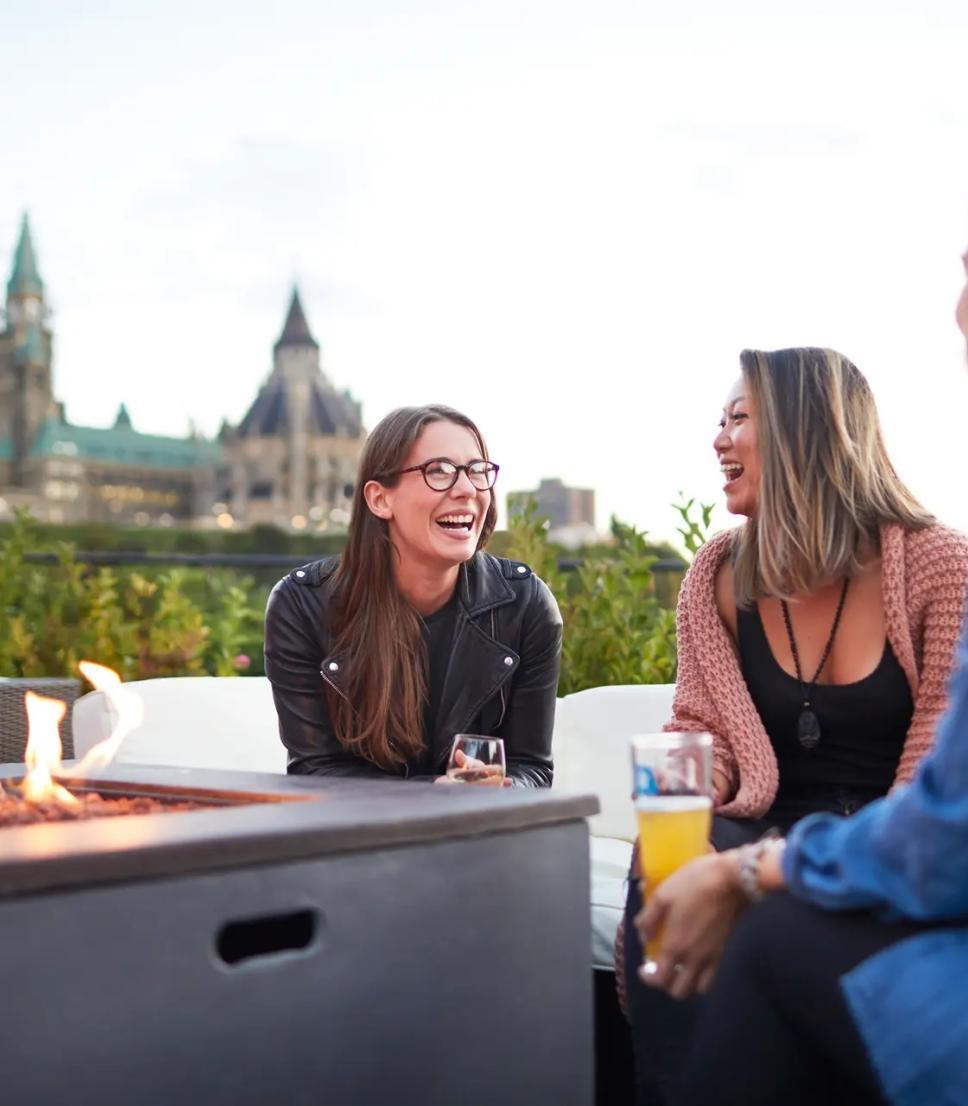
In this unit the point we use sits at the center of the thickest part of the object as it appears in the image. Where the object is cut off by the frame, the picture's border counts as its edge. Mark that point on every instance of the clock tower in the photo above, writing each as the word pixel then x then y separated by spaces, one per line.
pixel 26 394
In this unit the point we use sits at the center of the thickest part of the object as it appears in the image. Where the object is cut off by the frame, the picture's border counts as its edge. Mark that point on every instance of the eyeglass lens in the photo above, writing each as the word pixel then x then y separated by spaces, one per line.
pixel 442 475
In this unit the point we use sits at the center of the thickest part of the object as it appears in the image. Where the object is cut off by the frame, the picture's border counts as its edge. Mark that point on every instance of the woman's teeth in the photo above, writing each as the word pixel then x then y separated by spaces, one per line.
pixel 456 522
pixel 731 472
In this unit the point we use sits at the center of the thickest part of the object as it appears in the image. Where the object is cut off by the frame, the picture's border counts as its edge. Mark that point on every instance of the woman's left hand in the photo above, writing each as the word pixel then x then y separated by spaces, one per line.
pixel 693 912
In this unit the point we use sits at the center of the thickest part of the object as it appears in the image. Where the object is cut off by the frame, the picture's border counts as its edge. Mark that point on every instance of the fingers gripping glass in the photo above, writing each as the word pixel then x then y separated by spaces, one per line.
pixel 672 781
pixel 440 474
pixel 475 758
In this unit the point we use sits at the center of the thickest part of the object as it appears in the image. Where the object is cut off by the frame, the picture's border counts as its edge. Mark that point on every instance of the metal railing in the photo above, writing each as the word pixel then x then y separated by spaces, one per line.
pixel 667 572
pixel 104 557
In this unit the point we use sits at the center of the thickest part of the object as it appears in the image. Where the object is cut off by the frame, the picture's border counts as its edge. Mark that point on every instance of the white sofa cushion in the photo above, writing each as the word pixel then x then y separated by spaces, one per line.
pixel 591 746
pixel 226 722
pixel 591 752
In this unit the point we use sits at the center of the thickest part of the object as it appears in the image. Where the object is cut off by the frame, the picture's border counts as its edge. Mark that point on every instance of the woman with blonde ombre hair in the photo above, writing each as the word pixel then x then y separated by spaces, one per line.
pixel 816 640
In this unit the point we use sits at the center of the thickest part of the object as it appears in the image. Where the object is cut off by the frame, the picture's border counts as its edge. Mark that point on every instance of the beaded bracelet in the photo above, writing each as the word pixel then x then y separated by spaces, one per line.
pixel 749 865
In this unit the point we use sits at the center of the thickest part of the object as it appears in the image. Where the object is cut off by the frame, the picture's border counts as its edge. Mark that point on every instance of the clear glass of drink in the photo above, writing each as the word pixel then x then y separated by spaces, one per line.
pixel 672 784
pixel 477 759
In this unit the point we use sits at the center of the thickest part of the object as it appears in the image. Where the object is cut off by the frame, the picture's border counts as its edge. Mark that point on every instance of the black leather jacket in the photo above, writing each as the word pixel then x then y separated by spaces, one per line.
pixel 502 680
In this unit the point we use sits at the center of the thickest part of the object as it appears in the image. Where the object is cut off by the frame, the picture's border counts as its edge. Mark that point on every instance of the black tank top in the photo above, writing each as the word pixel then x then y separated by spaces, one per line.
pixel 438 635
pixel 863 725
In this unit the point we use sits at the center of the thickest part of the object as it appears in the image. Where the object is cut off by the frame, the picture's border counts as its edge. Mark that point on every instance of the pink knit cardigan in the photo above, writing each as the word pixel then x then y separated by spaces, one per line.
pixel 924 583
pixel 925 578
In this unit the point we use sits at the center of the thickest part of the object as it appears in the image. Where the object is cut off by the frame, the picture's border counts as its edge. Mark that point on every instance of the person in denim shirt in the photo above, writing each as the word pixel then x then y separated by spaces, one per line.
pixel 851 987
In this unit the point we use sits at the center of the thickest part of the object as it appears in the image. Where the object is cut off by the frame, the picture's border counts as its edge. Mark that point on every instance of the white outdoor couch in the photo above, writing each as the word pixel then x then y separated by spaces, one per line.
pixel 212 722
pixel 191 722
pixel 591 753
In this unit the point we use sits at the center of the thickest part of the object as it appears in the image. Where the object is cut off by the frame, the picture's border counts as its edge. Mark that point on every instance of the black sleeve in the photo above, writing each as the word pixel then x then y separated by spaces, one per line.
pixel 530 716
pixel 293 655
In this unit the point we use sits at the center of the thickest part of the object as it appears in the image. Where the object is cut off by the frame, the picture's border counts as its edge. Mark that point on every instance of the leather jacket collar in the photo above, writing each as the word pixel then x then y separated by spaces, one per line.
pixel 486 663
pixel 482 582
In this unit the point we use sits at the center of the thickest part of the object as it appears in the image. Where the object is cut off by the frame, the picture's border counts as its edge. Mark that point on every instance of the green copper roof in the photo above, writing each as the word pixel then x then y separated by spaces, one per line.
pixel 120 444
pixel 25 280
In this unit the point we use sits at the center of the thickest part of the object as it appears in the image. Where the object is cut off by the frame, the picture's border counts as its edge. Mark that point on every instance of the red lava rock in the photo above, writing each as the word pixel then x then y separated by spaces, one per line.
pixel 16 811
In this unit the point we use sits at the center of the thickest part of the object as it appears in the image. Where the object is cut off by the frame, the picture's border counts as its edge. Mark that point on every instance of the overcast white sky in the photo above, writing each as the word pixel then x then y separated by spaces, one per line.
pixel 565 218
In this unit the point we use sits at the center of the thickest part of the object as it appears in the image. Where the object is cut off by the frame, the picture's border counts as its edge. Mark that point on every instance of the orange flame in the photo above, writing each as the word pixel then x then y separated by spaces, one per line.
pixel 44 749
pixel 126 707
pixel 43 755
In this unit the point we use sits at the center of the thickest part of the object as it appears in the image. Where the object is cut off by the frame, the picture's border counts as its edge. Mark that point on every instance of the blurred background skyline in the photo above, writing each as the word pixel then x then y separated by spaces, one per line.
pixel 562 218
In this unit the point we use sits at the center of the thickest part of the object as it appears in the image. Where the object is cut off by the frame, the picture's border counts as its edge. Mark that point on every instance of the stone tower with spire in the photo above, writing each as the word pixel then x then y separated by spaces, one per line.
pixel 292 460
pixel 26 391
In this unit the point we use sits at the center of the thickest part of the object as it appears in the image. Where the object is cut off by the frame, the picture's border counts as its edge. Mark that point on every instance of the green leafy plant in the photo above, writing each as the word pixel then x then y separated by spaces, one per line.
pixel 615 629
pixel 694 533
pixel 235 627
pixel 173 622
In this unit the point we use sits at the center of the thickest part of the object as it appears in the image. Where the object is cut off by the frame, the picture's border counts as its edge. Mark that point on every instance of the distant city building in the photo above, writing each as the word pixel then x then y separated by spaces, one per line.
pixel 291 462
pixel 570 511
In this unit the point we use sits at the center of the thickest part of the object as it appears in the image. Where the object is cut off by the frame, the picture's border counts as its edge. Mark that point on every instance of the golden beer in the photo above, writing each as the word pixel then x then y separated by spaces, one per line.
pixel 673 829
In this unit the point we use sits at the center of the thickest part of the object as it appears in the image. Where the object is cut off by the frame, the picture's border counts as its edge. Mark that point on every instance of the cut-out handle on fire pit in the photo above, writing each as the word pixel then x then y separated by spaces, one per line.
pixel 257 938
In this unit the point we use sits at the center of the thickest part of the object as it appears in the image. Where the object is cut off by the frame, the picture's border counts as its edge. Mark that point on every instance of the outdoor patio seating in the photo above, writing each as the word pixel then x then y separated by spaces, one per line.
pixel 191 722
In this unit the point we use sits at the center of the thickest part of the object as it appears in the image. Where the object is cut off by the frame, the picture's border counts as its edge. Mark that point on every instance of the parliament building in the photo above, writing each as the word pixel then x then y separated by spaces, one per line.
pixel 291 462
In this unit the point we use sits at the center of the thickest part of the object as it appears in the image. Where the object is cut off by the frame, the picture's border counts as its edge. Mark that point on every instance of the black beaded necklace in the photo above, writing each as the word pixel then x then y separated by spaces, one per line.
pixel 808 724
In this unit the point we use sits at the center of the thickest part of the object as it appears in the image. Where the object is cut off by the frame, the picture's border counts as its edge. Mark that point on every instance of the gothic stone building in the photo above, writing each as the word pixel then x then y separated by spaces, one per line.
pixel 291 462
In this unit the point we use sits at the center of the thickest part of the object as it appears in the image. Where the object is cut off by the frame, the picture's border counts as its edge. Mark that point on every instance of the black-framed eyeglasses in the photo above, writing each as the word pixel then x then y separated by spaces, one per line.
pixel 440 473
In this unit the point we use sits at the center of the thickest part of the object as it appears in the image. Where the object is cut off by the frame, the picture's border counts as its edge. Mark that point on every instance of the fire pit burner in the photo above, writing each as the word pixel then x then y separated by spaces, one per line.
pixel 292 940
pixel 15 811
pixel 109 800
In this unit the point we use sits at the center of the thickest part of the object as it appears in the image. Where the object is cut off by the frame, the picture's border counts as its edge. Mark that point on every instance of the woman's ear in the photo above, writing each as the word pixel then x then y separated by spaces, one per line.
pixel 378 499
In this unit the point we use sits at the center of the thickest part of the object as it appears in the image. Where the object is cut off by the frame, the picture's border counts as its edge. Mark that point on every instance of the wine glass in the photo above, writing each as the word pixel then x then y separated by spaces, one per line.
pixel 477 759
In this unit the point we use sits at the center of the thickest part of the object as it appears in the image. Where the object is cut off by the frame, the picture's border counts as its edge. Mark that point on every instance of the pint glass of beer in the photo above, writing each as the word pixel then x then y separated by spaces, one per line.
pixel 672 775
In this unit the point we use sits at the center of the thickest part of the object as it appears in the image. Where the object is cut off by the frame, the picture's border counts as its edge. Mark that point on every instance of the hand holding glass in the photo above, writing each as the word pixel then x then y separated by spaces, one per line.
pixel 477 759
pixel 672 775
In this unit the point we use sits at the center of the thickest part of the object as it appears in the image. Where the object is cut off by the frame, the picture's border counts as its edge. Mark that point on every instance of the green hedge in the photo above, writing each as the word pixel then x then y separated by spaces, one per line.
pixel 131 539
pixel 616 630
pixel 619 626
pixel 143 623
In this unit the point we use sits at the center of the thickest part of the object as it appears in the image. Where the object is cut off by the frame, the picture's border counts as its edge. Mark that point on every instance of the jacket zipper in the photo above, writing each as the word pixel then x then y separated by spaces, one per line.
pixel 342 695
pixel 504 702
pixel 338 690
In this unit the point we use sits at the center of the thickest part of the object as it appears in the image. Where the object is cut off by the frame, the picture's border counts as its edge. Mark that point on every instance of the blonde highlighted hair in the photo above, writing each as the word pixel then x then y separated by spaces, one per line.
pixel 826 482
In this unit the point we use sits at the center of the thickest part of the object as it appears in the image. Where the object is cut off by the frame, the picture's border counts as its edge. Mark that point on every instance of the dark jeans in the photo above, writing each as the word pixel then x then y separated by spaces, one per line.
pixel 775 1028
pixel 613 1045
pixel 662 1028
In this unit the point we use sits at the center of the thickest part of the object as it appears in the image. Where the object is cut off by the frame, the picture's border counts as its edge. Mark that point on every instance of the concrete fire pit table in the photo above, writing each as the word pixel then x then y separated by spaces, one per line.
pixel 299 941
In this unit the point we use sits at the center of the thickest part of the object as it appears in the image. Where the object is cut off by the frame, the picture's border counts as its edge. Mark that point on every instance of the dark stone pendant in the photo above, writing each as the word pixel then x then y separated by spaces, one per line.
pixel 808 729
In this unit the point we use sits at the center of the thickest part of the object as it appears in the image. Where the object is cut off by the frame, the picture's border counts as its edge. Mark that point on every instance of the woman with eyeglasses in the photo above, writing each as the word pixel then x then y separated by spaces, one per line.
pixel 378 657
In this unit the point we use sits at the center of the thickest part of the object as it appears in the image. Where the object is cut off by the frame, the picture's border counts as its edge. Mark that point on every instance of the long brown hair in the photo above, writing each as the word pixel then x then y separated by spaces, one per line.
pixel 380 713
pixel 827 483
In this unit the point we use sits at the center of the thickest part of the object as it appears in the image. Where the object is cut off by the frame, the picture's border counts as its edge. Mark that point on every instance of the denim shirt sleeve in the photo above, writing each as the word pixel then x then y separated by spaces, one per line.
pixel 906 854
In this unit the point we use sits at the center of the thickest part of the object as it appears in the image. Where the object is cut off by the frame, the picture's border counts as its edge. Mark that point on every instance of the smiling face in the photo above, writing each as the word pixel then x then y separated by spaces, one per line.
pixel 436 530
pixel 737 450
